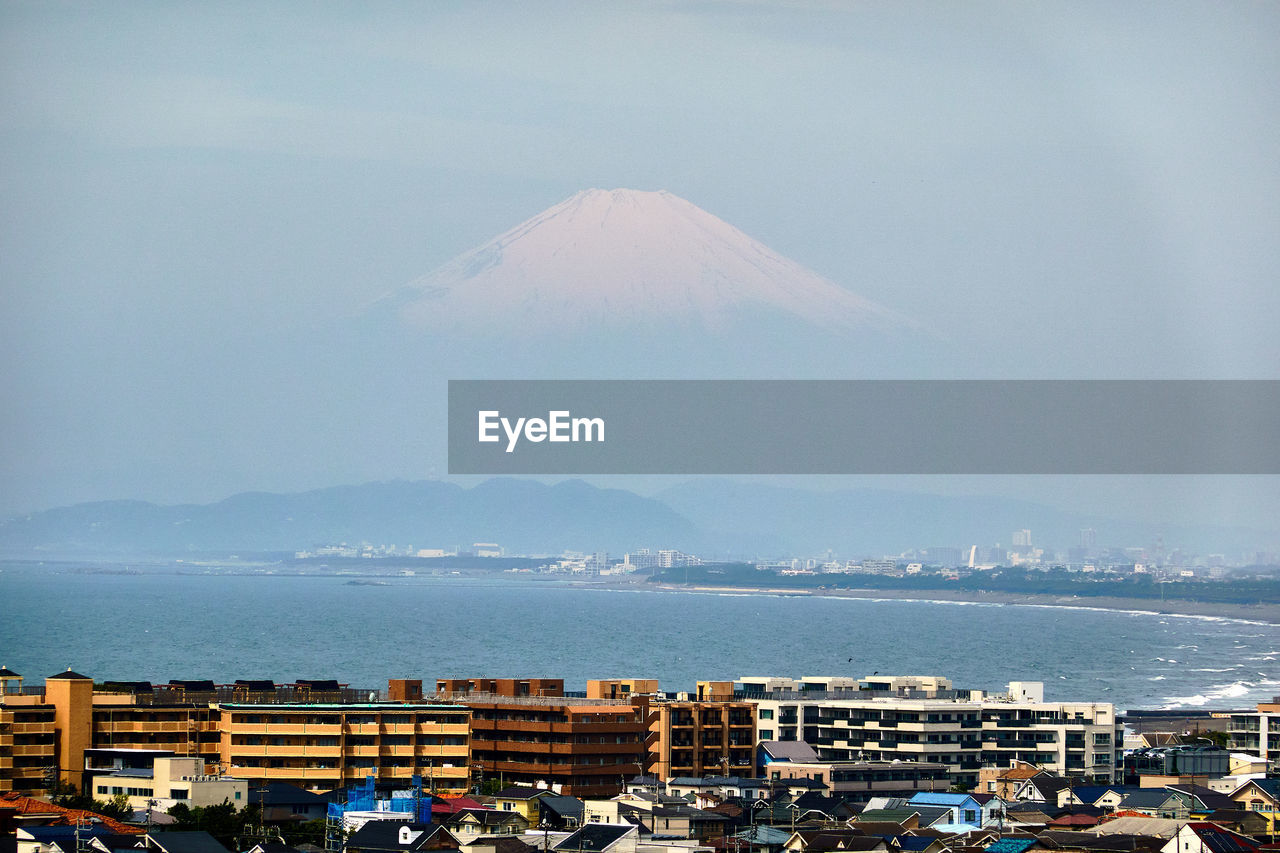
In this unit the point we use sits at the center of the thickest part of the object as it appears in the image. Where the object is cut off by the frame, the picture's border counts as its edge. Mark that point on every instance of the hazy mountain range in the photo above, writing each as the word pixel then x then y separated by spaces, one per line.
pixel 713 517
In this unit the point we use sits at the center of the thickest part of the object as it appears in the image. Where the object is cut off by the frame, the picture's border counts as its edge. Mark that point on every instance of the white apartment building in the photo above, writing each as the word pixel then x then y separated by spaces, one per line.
pixel 923 718
pixel 1257 733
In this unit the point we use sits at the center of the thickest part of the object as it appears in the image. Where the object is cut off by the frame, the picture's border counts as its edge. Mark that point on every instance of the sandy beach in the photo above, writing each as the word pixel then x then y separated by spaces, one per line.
pixel 1269 613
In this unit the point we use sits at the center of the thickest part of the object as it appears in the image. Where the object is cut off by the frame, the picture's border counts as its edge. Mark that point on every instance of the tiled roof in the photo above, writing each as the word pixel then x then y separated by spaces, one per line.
pixel 1016 774
pixel 30 805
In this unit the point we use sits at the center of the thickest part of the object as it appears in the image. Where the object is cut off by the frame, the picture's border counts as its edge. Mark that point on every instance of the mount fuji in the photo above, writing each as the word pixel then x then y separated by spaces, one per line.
pixel 604 261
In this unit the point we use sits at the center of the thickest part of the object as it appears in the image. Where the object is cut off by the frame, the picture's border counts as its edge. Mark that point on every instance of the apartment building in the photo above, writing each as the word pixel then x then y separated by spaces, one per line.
pixel 692 735
pixel 315 734
pixel 28 736
pixel 1257 733
pixel 528 732
pixel 326 746
pixel 923 718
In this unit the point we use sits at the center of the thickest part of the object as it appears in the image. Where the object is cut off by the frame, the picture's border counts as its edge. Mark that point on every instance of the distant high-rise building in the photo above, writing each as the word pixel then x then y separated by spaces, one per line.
pixel 1088 538
pixel 1022 538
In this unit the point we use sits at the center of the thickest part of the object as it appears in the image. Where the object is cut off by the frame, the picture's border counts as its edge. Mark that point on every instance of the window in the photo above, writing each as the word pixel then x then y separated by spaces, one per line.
pixel 237 795
pixel 970 815
pixel 102 789
pixel 766 713
pixel 177 793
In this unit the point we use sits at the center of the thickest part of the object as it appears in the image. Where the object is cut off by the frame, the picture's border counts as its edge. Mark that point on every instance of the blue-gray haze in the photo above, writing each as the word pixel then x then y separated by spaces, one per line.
pixel 159 625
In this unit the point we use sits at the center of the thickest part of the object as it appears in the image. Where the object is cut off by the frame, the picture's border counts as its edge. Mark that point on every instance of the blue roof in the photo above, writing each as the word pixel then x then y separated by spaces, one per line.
pixel 1010 845
pixel 914 843
pixel 929 798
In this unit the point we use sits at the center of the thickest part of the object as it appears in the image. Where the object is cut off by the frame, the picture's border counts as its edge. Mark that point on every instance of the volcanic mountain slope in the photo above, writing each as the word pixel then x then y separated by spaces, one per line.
pixel 614 259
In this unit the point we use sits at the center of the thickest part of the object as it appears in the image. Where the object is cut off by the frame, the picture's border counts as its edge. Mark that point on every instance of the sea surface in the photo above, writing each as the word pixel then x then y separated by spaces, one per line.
pixel 181 621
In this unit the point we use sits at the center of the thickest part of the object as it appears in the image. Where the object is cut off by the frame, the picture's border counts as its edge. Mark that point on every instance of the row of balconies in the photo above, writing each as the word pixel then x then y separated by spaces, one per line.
pixel 334 730
pixel 556 748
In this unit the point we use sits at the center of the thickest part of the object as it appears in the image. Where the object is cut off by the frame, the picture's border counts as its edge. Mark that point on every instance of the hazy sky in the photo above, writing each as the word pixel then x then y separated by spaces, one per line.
pixel 1067 190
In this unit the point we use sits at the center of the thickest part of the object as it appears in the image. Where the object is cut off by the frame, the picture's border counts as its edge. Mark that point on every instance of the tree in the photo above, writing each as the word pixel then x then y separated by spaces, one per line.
pixel 224 822
pixel 1220 739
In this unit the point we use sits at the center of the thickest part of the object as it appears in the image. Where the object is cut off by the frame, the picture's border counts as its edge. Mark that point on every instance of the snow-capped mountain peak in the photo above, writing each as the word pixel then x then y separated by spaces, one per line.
pixel 606 258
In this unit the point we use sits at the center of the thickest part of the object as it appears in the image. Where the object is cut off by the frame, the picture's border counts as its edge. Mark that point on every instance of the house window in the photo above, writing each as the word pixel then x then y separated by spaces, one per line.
pixel 970 816
pixel 766 713
pixel 237 795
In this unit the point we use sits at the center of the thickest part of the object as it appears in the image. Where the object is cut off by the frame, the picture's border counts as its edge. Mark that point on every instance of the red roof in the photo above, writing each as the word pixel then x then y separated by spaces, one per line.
pixel 444 805
pixel 66 816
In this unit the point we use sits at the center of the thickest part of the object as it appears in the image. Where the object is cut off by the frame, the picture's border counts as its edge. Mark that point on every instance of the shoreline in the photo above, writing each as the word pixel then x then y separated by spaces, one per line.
pixel 1267 613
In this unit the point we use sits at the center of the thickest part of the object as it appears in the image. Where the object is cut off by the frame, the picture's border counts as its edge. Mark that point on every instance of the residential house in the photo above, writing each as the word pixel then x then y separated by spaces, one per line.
pixel 1204 837
pixel 1261 796
pixel 469 823
pixel 687 822
pixel 1004 781
pixel 600 838
pixel 1239 820
pixel 399 836
pixel 964 812
pixel 1041 788
pixel 282 802
pixel 522 800
pixel 1155 802
pixel 560 812
pixel 1200 800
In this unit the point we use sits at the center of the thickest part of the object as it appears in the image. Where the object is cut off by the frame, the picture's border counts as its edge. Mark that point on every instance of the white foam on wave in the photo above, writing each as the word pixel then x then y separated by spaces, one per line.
pixel 1234 690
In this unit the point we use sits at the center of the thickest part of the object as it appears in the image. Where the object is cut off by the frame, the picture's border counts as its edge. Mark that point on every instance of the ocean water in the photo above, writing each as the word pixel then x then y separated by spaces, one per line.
pixel 186 622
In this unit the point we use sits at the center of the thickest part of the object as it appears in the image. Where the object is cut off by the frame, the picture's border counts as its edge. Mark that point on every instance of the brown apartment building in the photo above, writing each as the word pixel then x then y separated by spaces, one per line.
pixel 703 734
pixel 527 732
pixel 316 734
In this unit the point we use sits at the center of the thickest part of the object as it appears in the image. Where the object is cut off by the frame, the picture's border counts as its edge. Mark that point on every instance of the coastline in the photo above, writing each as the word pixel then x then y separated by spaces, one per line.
pixel 1268 613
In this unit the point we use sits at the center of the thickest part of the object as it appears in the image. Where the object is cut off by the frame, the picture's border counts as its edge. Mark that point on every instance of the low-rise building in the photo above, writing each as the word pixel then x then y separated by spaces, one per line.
pixel 171 781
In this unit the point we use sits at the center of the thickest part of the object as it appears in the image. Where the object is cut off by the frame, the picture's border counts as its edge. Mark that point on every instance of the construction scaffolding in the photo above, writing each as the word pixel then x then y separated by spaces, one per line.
pixel 364 798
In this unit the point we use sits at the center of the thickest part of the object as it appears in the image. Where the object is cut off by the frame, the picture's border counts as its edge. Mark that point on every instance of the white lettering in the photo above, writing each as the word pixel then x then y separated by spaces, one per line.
pixel 487 424
pixel 588 424
pixel 559 426
pixel 513 435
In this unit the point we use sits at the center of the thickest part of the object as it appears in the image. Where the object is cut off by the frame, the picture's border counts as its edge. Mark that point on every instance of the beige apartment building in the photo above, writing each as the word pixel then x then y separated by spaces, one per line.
pixel 172 781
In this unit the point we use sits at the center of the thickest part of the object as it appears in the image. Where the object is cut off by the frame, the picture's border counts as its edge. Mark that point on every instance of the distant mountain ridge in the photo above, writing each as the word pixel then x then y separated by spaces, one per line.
pixel 715 518
pixel 523 515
